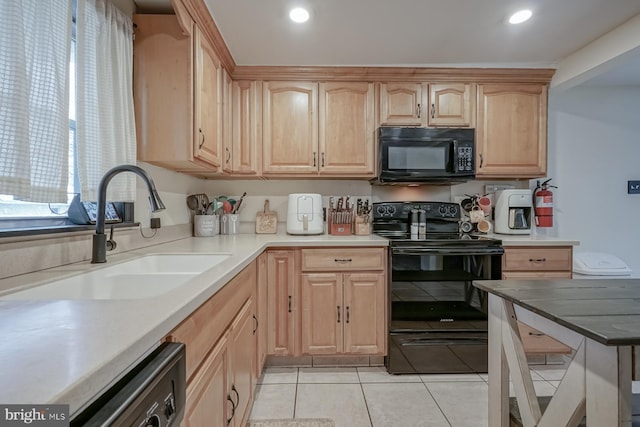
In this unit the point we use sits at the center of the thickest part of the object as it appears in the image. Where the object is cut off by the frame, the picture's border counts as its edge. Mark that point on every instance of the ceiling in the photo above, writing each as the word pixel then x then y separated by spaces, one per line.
pixel 458 33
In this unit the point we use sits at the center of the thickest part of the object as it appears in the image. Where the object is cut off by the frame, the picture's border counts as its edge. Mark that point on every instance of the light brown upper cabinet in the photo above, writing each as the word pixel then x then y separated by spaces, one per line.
pixel 177 94
pixel 227 122
pixel 318 129
pixel 511 130
pixel 451 104
pixel 245 157
pixel 402 104
pixel 347 128
pixel 426 104
pixel 208 93
pixel 290 128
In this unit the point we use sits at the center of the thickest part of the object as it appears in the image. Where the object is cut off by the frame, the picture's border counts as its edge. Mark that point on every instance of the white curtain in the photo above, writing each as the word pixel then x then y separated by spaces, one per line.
pixel 35 40
pixel 106 131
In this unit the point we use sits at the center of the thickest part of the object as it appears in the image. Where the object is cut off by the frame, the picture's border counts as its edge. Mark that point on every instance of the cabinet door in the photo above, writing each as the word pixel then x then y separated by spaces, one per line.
pixel 402 104
pixel 242 345
pixel 208 102
pixel 281 295
pixel 227 122
pixel 262 310
pixel 450 105
pixel 290 128
pixel 163 90
pixel 246 127
pixel 364 313
pixel 511 131
pixel 208 403
pixel 347 129
pixel 322 313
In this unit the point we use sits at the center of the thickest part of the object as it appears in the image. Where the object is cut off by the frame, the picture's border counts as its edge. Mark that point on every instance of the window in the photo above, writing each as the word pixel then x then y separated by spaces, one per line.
pixel 13 209
pixel 35 45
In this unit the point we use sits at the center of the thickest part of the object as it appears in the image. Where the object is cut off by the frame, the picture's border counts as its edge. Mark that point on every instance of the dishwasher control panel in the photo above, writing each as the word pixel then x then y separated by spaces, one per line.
pixel 152 394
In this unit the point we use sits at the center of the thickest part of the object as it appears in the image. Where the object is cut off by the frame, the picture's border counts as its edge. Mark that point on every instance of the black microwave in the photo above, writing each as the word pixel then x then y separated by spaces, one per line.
pixel 425 155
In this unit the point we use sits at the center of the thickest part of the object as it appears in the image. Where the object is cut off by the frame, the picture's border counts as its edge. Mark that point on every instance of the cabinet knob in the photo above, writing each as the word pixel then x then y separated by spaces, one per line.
pixel 338 314
pixel 342 259
pixel 433 111
pixel 419 110
pixel 323 159
pixel 314 158
pixel 228 154
pixel 481 160
pixel 347 315
pixel 289 303
pixel 537 259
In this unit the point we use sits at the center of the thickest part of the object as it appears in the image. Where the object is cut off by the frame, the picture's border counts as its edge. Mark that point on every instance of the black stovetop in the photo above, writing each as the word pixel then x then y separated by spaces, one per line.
pixel 392 220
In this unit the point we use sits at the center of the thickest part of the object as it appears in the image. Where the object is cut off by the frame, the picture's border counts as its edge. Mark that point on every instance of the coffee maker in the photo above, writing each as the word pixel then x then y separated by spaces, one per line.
pixel 513 211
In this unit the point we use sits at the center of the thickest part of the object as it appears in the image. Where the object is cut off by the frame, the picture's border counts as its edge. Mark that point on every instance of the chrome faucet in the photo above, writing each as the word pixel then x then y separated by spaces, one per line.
pixel 100 242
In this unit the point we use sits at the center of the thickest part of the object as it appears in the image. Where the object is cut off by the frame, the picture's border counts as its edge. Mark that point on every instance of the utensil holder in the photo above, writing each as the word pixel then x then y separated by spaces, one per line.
pixel 205 225
pixel 361 226
pixel 229 224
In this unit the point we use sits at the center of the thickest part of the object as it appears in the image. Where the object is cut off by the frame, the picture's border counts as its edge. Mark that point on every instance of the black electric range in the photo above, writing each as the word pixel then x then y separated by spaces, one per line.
pixel 437 318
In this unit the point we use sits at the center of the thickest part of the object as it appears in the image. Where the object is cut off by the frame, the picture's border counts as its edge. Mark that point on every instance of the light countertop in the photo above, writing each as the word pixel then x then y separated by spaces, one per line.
pixel 532 240
pixel 68 351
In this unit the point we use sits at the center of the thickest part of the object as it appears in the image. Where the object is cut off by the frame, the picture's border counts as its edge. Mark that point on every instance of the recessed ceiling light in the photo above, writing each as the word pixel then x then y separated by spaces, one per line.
pixel 520 16
pixel 299 15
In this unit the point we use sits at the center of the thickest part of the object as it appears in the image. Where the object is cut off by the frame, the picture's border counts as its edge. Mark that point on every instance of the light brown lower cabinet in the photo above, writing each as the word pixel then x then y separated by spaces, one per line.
pixel 282 296
pixel 538 262
pixel 343 313
pixel 262 309
pixel 208 401
pixel 221 354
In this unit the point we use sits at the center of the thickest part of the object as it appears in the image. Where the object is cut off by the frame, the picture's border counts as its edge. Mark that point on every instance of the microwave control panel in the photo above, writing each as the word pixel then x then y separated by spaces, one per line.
pixel 465 158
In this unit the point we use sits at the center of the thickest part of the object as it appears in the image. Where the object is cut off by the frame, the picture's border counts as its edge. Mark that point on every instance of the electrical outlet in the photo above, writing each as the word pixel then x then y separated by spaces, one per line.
pixel 155 223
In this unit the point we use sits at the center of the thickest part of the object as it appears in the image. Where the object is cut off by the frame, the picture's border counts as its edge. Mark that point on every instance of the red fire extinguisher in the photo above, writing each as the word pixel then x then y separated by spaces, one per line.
pixel 543 204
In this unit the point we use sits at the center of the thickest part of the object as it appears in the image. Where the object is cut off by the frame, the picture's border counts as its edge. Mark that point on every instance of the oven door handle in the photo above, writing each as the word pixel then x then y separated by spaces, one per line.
pixel 447 251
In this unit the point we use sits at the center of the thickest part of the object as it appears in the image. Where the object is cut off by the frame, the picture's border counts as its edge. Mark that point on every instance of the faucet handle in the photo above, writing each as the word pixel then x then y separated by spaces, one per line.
pixel 111 244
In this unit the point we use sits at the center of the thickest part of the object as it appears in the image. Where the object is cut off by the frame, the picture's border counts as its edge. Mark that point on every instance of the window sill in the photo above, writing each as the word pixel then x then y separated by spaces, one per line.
pixel 36 228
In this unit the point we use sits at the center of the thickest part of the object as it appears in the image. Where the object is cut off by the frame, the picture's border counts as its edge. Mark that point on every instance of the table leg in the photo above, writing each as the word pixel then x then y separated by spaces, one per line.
pixel 498 368
pixel 608 385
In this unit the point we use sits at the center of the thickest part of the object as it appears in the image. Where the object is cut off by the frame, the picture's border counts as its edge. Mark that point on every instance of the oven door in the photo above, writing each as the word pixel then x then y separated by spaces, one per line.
pixel 438 319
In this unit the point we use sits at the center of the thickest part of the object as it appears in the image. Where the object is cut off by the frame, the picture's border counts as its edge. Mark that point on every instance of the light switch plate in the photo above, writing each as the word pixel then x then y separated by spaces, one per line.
pixel 633 187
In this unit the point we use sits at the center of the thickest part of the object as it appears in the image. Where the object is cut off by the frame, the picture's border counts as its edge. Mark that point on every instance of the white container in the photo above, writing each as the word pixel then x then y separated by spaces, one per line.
pixel 229 224
pixel 205 225
pixel 304 214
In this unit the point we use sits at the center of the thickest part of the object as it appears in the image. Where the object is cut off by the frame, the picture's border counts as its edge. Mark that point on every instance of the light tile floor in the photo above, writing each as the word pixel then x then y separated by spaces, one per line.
pixel 369 397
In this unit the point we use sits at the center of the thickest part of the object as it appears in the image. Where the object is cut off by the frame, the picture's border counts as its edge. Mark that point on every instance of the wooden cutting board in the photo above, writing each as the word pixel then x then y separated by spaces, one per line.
pixel 266 221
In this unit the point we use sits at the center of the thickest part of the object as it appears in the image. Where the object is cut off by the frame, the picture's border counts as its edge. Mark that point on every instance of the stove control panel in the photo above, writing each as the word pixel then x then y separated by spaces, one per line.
pixel 402 210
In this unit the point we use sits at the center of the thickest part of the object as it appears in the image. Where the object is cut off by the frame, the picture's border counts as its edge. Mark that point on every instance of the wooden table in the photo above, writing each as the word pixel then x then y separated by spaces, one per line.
pixel 598 319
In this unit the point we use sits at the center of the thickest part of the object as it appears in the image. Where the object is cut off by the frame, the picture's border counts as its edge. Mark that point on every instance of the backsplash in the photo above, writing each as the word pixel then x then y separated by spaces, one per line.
pixel 24 255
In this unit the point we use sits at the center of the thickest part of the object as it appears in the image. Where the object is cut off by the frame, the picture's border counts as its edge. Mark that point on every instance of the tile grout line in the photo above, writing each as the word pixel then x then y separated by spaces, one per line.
pixel 295 395
pixel 437 404
pixel 364 396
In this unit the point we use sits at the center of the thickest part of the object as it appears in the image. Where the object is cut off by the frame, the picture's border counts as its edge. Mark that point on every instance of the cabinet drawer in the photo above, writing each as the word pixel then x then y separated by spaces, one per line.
pixel 523 275
pixel 343 259
pixel 537 259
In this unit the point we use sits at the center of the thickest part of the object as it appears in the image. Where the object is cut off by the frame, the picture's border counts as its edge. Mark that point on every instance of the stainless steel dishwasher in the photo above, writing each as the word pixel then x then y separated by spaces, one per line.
pixel 152 394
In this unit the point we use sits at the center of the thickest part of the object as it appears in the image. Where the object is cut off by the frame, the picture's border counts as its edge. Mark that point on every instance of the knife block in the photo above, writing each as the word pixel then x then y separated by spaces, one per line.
pixel 362 226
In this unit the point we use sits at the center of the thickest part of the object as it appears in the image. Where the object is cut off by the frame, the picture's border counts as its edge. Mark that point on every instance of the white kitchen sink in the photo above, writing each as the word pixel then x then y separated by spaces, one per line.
pixel 144 277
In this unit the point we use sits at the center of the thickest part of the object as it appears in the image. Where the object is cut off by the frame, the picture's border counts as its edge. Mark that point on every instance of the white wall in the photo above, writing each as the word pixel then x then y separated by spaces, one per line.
pixel 594 148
